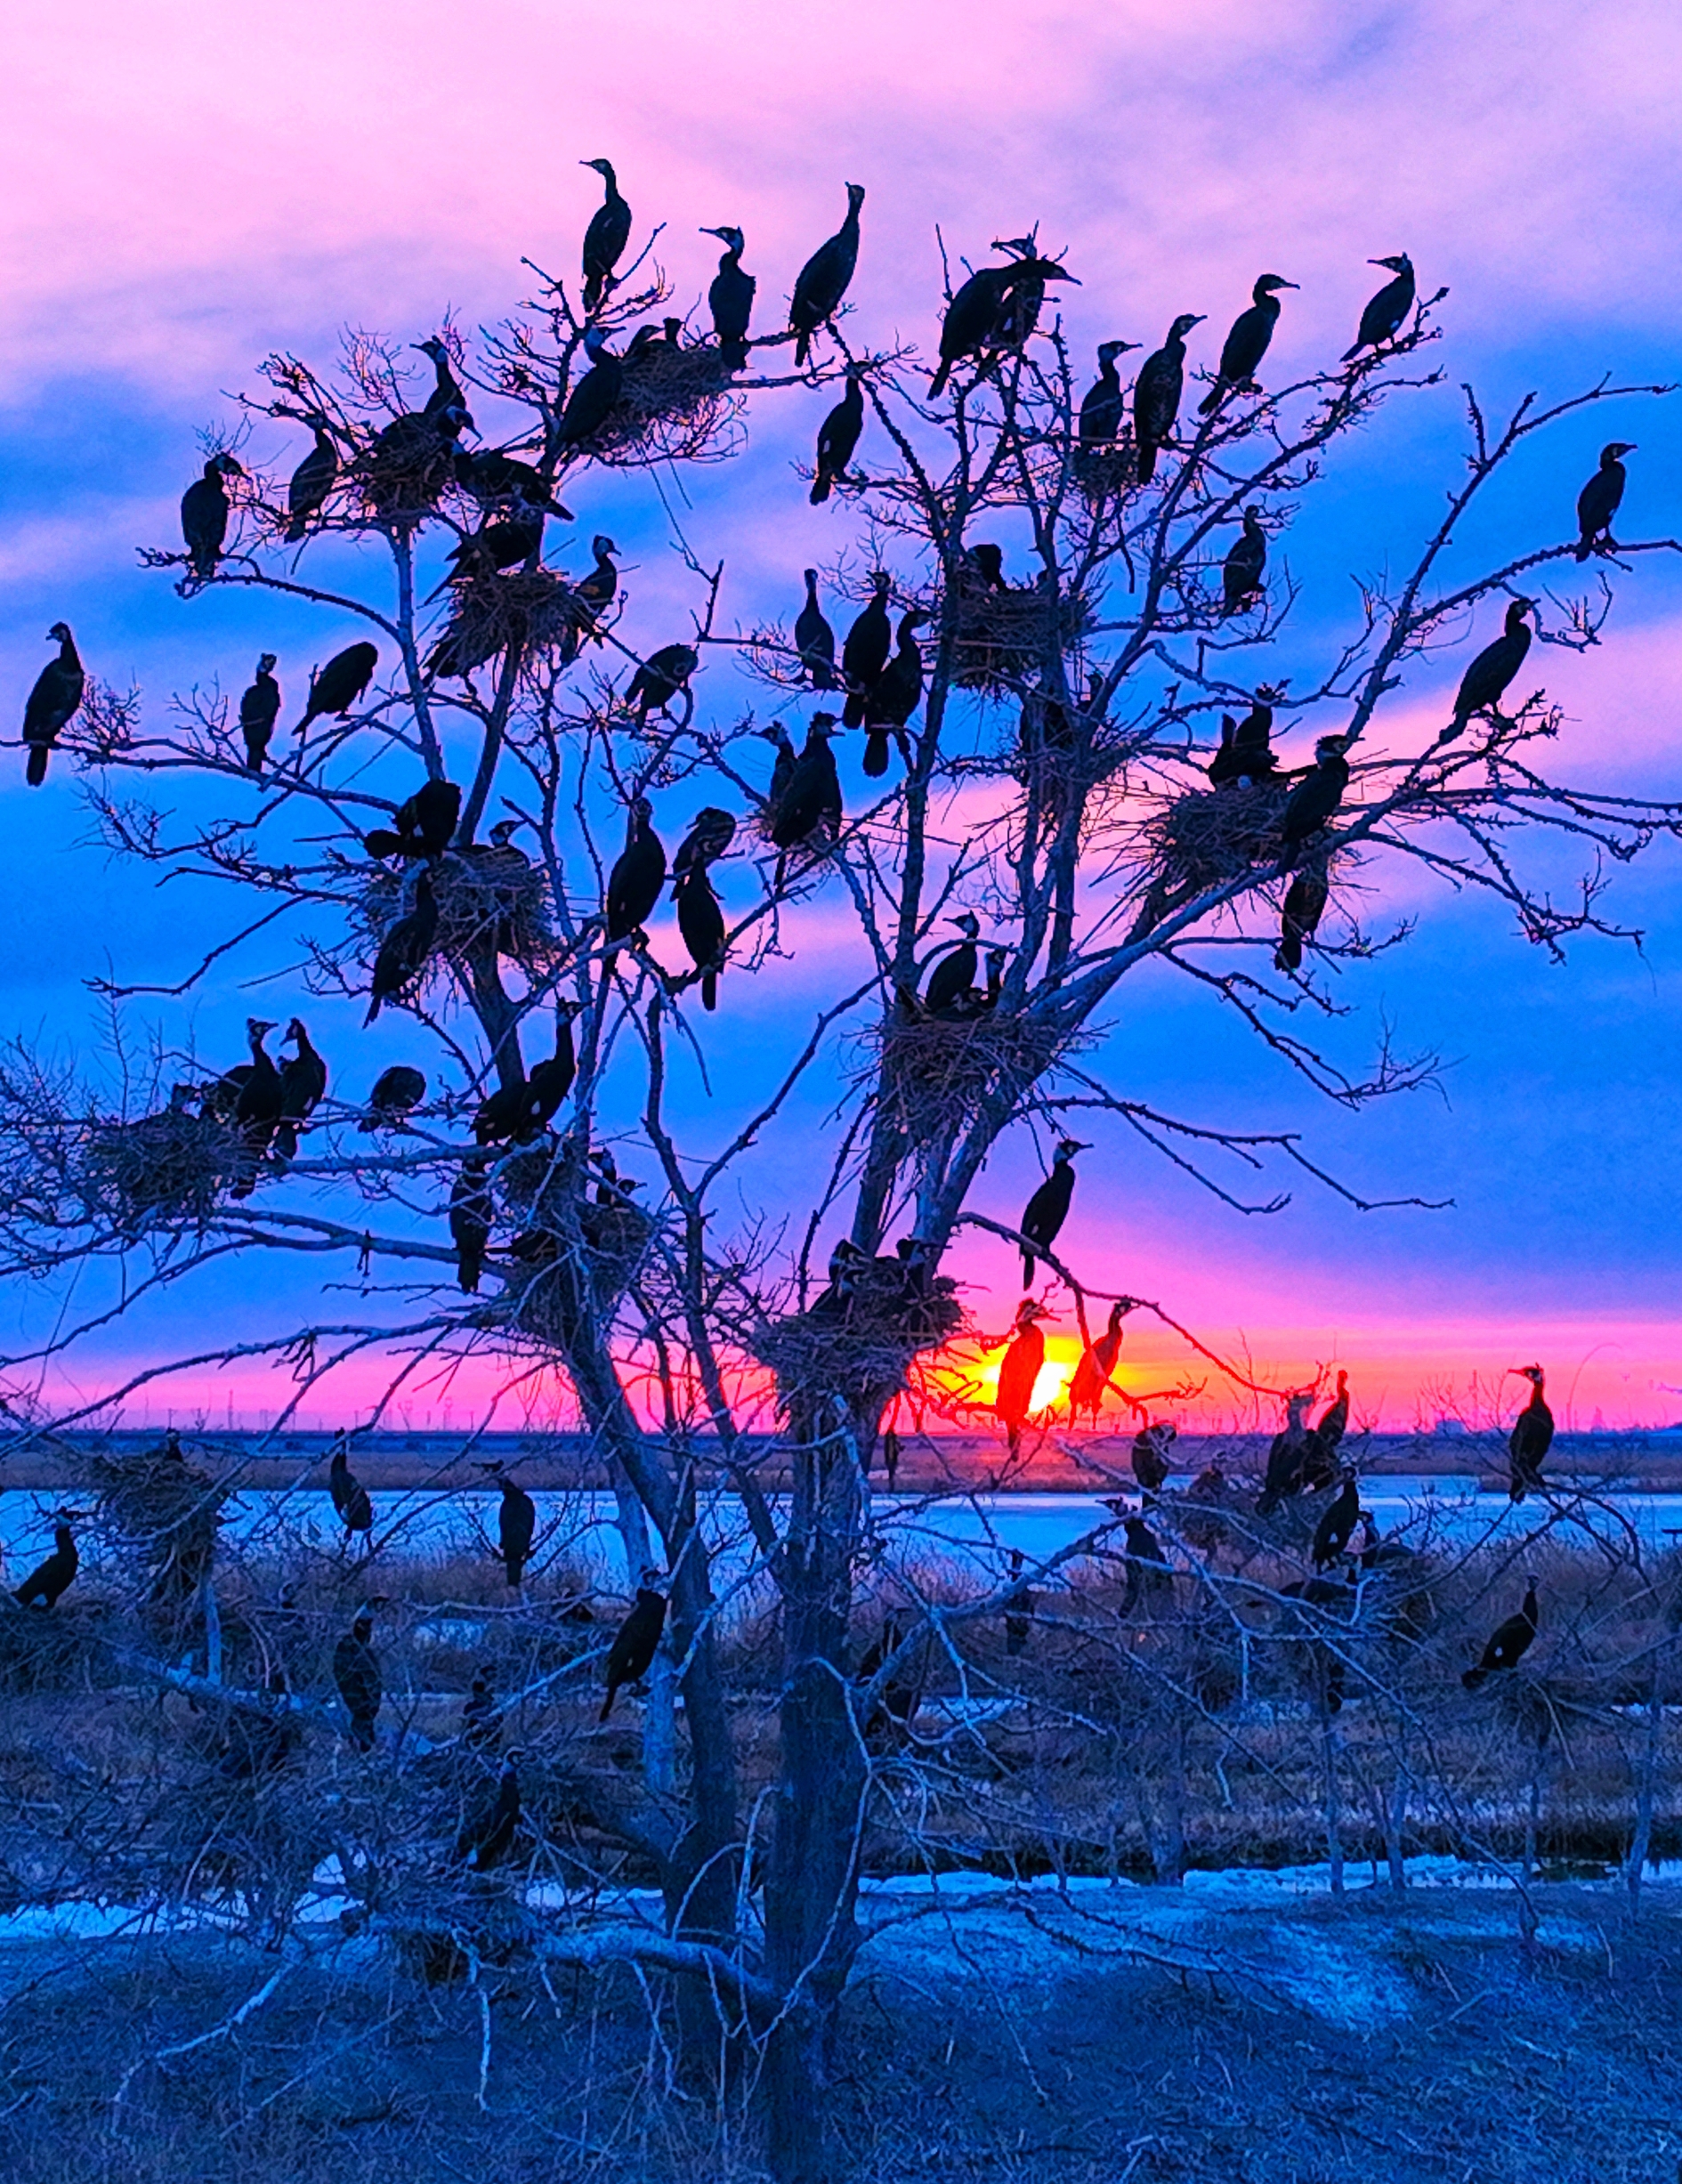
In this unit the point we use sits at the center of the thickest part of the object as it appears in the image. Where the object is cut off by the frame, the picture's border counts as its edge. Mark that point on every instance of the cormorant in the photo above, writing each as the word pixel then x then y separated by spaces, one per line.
pixel 865 651
pixel 257 1105
pixel 1485 681
pixel 395 1091
pixel 594 395
pixel 659 678
pixel 954 972
pixel 702 924
pixel 814 640
pixel 1150 1577
pixel 1047 1209
pixel 1019 1369
pixel 1098 1365
pixel 259 710
pixel 710 834
pixel 590 595
pixel 1314 800
pixel 500 1116
pixel 1241 572
pixel 893 697
pixel 1510 1642
pixel 551 1079
pixel 336 687
pixel 812 797
pixel 304 1080
pixel 1335 1420
pixel 638 878
pixel 516 1522
pixel 1386 311
pixel 1019 1607
pixel 495 546
pixel 1531 1438
pixel 1021 305
pixel 312 481
pixel 1103 404
pixel 1333 1532
pixel 838 437
pixel 421 825
pixel 606 238
pixel 404 948
pixel 55 1575
pixel 469 1216
pixel 480 1717
pixel 1599 500
pixel 1148 1458
pixel 350 1503
pixel 731 299
pixel 636 1640
pixel 356 1672
pixel 1156 393
pixel 204 514
pixel 1247 344
pixel 487 1836
pixel 824 278
pixel 50 705
pixel 1284 1474
pixel 971 316
pixel 491 476
pixel 447 392
pixel 1304 908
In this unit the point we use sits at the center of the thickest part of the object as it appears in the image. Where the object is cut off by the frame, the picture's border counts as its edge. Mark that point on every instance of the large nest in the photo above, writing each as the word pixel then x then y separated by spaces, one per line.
pixel 936 1070
pixel 860 1346
pixel 532 611
pixel 167 1514
pixel 579 1248
pixel 1209 836
pixel 672 404
pixel 490 897
pixel 1002 638
pixel 403 474
pixel 161 1171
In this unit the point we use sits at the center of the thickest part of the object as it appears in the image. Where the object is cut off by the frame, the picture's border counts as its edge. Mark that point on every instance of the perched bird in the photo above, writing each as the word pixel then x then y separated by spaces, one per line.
pixel 480 1718
pixel 1333 1532
pixel 1246 345
pixel 448 391
pixel 356 1672
pixel 396 1090
pixel 825 276
pixel 1531 1438
pixel 1600 499
pixel 1103 404
pixel 838 437
pixel 1385 313
pixel 551 1079
pixel 590 595
pixel 953 973
pixel 351 1502
pixel 606 238
pixel 423 824
pixel 710 834
pixel 659 678
pixel 257 1106
pixel 865 651
pixel 259 710
pixel 516 1523
pixel 1241 571
pixel 594 395
pixel 1020 306
pixel 471 1209
pixel 501 1114
pixel 782 771
pixel 513 538
pixel 404 950
pixel 304 1083
pixel 968 328
pixel 57 694
pixel 814 640
pixel 731 299
pixel 1149 1579
pixel 1098 1365
pixel 1287 1457
pixel 1148 1459
pixel 487 1836
pixel 1246 752
pixel 1157 392
pixel 204 514
pixel 336 687
pixel 312 481
pixel 893 697
pixel 1314 800
pixel 638 877
pixel 700 922
pixel 45 1586
pixel 1047 1209
pixel 811 797
pixel 1305 905
pixel 1485 683
pixel 636 1640
pixel 1510 1641
pixel 492 475
pixel 1019 1607
pixel 1019 1369
pixel 1334 1421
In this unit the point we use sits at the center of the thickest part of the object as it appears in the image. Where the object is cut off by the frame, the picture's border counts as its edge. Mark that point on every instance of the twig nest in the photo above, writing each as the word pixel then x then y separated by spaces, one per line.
pixel 859 1345
pixel 936 1071
pixel 160 1172
pixel 532 610
pixel 674 406
pixel 1002 637
pixel 406 471
pixel 1212 836
pixel 575 1256
pixel 484 897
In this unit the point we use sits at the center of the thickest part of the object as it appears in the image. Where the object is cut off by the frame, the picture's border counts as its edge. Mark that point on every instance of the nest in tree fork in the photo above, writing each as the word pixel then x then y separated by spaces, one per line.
pixel 934 1072
pixel 483 900
pixel 161 1171
pixel 1213 835
pixel 860 1346
pixel 168 1515
pixel 1002 639
pixel 581 1256
pixel 404 473
pixel 532 611
pixel 672 404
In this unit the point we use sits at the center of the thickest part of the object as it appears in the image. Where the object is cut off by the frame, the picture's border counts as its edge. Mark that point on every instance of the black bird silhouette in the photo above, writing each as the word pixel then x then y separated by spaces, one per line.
pixel 312 481
pixel 1599 500
pixel 1314 800
pixel 893 697
pixel 1244 566
pixel 550 1078
pixel 350 1497
pixel 1510 1641
pixel 1335 1528
pixel 356 1672
pixel 1287 1457
pixel 404 952
pixel 1149 1578
pixel 1246 345
pixel 1485 683
pixel 1386 311
pixel 814 640
pixel 1097 1368
pixel 516 1524
pixel 513 538
pixel 1047 1209
pixel 825 276
pixel 812 796
pixel 500 1116
pixel 606 238
pixel 1019 1369
pixel 636 1640
pixel 700 922
pixel 1531 1438
pixel 487 1836
pixel 1019 1607
pixel 470 1216
pixel 953 973
pixel 1103 404
pixel 1305 905
pixel 46 1585
pixel 304 1083
pixel 590 595
pixel 257 1106
pixel 423 824
pixel 204 514
pixel 492 475
pixel 838 437
pixel 864 654
pixel 594 394
pixel 731 299
pixel 1334 1421
pixel 259 710
pixel 57 694
pixel 638 877
pixel 1148 1459
pixel 396 1090
pixel 971 318
pixel 659 678
pixel 335 688
pixel 1157 392
pixel 710 834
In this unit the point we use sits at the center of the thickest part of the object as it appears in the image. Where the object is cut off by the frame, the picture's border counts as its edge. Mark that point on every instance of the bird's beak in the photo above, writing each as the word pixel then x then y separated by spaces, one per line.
pixel 1290 284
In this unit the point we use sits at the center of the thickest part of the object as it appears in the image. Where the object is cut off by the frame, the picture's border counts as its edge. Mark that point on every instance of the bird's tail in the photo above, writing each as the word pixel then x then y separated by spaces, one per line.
pixel 1027 1270
pixel 37 765
pixel 734 356
pixel 373 1011
pixel 852 711
pixel 802 348
pixel 1147 461
pixel 821 486
pixel 875 754
pixel 607 1704
pixel 1211 400
pixel 709 990
pixel 467 1271
pixel 937 385
pixel 1473 1677
pixel 1349 355
pixel 1584 548
pixel 295 529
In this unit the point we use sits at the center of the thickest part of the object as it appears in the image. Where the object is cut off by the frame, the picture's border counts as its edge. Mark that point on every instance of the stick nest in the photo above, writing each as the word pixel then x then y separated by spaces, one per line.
pixel 484 899
pixel 583 1256
pixel 1001 638
pixel 160 1172
pixel 860 1347
pixel 673 407
pixel 405 473
pixel 1213 835
pixel 532 611
pixel 936 1071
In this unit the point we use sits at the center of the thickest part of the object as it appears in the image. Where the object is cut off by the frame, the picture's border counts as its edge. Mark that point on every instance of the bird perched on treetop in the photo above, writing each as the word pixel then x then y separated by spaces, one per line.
pixel 814 640
pixel 1157 392
pixel 1314 801
pixel 825 276
pixel 1386 311
pixel 838 437
pixel 659 679
pixel 396 1090
pixel 259 710
pixel 638 877
pixel 700 925
pixel 711 832
pixel 422 824
pixel 204 514
pixel 1101 405
pixel 953 973
pixel 50 705
pixel 973 315
pixel 894 696
pixel 590 595
pixel 1305 905
pixel 1510 1642
pixel 335 688
pixel 1485 683
pixel 636 1640
pixel 447 392
pixel 1598 501
pixel 1533 1435
pixel 1049 1209
pixel 1242 570
pixel 312 481
pixel 606 238
pixel 731 299
pixel 1246 345
pixel 811 797
pixel 304 1083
